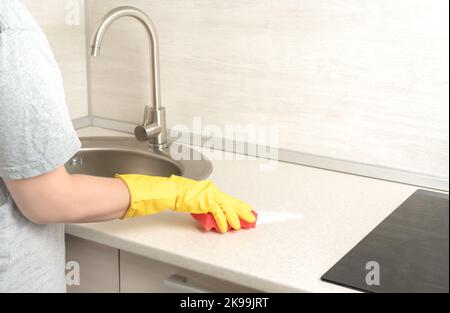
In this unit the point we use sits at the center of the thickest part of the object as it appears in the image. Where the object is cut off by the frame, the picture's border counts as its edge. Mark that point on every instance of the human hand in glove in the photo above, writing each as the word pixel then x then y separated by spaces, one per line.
pixel 153 194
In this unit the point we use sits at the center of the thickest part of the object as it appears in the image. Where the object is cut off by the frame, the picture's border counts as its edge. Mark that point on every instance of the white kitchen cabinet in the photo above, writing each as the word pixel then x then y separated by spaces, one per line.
pixel 99 265
pixel 140 274
pixel 106 269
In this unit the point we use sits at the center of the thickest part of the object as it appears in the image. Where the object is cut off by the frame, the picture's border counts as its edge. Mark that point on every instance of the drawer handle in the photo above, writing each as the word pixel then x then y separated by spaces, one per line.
pixel 181 284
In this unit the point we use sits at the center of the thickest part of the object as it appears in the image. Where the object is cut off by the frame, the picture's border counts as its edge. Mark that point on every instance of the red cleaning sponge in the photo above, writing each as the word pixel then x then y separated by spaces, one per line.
pixel 208 222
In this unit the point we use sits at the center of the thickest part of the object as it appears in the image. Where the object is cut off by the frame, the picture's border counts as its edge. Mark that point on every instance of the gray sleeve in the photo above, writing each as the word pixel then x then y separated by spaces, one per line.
pixel 36 133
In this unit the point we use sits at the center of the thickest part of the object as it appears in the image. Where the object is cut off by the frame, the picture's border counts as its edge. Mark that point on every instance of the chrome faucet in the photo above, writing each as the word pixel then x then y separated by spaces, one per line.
pixel 153 130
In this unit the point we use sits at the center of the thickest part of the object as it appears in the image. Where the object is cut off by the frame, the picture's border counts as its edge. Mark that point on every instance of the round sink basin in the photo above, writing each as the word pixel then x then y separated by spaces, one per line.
pixel 107 162
pixel 106 156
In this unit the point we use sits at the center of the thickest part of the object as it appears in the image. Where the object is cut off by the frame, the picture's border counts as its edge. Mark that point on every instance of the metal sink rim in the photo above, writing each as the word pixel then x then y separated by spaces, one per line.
pixel 194 169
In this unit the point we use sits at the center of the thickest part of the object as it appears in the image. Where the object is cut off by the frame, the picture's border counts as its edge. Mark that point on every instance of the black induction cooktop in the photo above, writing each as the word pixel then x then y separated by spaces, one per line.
pixel 407 252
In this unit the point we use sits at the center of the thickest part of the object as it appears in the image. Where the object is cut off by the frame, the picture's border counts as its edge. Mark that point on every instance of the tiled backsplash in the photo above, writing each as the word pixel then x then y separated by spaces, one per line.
pixel 64 25
pixel 359 80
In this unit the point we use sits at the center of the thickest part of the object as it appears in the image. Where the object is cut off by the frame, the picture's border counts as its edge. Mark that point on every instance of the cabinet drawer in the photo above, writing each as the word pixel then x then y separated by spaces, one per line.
pixel 140 274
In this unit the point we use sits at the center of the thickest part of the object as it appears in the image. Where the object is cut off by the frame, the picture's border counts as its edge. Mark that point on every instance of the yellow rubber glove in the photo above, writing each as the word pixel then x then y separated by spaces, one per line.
pixel 153 194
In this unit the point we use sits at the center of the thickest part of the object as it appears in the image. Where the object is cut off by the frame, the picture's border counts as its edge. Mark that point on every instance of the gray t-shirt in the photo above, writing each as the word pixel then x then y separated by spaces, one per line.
pixel 36 136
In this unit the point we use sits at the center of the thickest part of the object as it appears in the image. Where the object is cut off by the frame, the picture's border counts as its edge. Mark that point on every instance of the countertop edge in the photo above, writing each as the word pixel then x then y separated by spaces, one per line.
pixel 180 261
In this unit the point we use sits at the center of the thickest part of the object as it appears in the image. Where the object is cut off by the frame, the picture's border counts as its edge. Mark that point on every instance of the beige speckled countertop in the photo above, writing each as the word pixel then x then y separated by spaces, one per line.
pixel 309 219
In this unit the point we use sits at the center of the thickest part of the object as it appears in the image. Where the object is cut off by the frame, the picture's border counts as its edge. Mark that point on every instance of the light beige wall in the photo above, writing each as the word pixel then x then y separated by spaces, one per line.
pixel 69 46
pixel 361 80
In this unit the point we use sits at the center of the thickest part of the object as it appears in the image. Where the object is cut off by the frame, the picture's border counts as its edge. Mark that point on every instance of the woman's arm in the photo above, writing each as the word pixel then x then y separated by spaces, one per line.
pixel 58 197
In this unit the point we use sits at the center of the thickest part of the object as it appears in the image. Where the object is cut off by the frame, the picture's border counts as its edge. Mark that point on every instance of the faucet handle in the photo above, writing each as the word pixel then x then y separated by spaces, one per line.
pixel 144 133
pixel 150 126
pixel 147 115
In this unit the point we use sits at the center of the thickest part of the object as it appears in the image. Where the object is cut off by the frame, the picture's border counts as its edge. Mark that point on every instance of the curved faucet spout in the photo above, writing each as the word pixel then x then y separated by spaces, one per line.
pixel 123 11
pixel 155 116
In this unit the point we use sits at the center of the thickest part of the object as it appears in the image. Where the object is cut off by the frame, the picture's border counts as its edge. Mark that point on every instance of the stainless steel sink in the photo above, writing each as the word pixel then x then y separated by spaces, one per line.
pixel 106 156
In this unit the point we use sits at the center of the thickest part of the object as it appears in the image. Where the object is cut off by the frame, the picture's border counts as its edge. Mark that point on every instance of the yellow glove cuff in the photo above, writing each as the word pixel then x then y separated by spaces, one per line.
pixel 149 194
